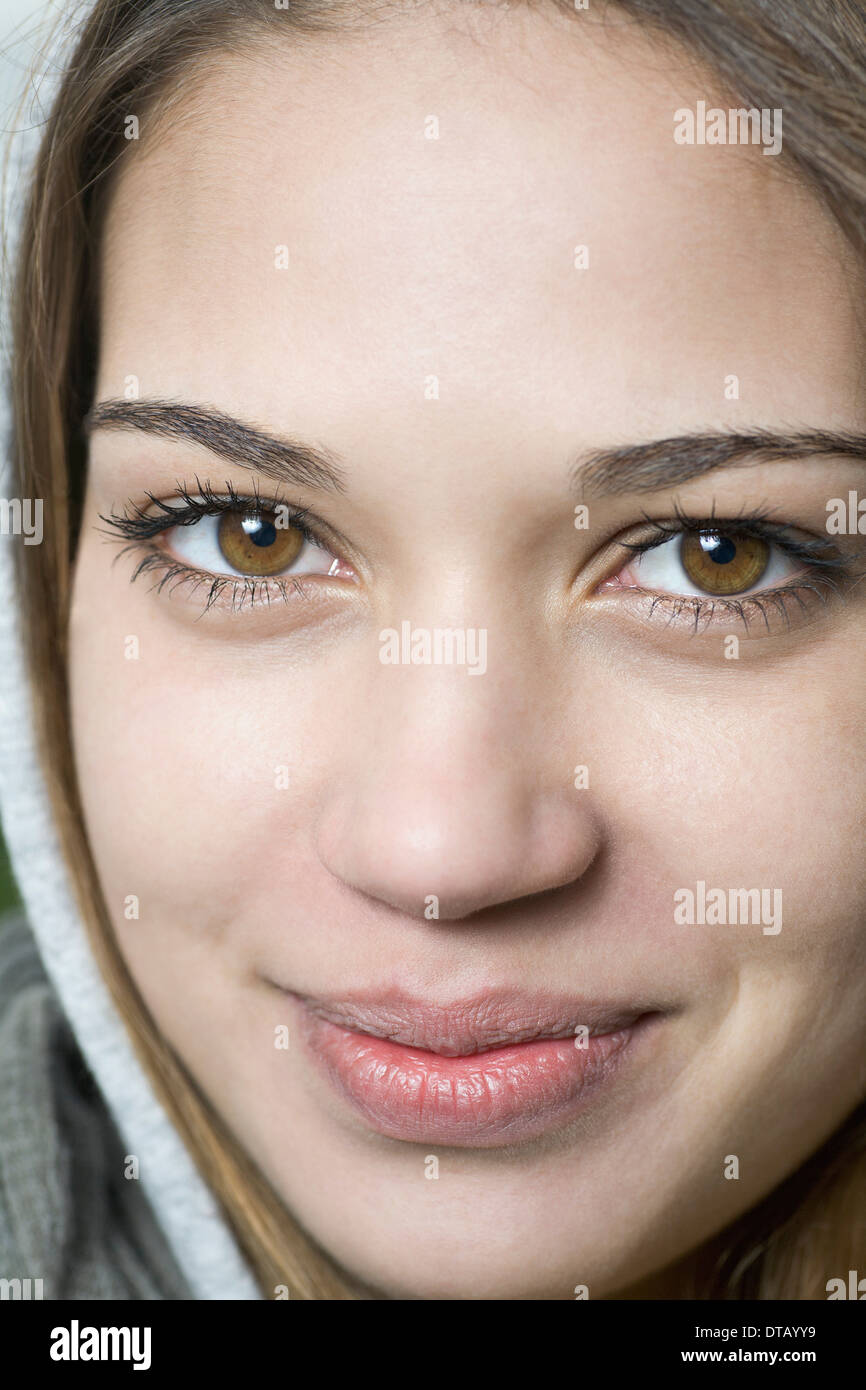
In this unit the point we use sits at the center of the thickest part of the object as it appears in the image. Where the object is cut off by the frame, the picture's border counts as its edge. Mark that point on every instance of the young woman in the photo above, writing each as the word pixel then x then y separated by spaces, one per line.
pixel 447 643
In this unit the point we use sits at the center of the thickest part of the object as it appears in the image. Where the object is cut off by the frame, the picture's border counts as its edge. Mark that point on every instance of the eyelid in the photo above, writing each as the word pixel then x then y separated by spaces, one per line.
pixel 239 588
pixel 818 551
pixel 185 508
pixel 138 522
pixel 825 567
pixel 140 526
pixel 757 523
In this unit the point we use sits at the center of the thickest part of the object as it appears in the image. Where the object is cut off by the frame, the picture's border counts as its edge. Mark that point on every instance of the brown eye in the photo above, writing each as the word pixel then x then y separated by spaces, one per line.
pixel 722 562
pixel 254 544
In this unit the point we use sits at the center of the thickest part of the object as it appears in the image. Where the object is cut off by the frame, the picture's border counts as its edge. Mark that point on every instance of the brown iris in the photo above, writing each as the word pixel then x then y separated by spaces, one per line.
pixel 254 544
pixel 723 562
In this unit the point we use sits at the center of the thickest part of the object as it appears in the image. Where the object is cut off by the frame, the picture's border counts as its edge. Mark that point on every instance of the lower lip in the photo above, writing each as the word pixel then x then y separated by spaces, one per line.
pixel 503 1096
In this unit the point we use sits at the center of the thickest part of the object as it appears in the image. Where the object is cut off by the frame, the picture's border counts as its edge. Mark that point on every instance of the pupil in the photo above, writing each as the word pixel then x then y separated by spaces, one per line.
pixel 258 531
pixel 720 549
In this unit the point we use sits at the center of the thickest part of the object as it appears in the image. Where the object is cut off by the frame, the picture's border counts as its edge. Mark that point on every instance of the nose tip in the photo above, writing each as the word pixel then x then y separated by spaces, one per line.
pixel 453 801
pixel 445 849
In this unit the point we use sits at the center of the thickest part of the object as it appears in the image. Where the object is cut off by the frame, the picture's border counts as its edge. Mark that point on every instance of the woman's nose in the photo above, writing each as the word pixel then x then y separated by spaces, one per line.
pixel 455 799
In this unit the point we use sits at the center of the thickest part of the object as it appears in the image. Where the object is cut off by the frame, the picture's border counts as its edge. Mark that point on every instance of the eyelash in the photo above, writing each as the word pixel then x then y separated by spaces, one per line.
pixel 140 527
pixel 828 569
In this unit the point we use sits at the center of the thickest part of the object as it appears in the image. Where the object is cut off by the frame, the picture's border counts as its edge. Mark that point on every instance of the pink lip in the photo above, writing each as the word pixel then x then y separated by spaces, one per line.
pixel 493 1070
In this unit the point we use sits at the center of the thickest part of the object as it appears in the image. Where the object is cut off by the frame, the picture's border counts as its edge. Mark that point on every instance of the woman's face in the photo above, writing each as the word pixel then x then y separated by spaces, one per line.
pixel 414 909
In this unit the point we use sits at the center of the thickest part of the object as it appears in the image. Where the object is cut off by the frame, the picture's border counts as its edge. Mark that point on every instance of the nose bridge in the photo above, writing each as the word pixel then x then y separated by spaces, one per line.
pixel 453 796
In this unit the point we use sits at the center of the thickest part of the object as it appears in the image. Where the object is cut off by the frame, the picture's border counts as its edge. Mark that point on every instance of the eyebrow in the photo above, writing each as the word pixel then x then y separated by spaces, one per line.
pixel 664 463
pixel 286 460
pixel 648 467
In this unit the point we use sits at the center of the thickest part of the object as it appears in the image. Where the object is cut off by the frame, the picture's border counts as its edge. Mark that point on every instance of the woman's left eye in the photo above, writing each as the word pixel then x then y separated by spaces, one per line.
pixel 710 564
pixel 257 544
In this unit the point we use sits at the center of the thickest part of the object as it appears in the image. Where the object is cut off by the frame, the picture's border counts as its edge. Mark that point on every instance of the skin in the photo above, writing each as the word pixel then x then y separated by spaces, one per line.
pixel 455 257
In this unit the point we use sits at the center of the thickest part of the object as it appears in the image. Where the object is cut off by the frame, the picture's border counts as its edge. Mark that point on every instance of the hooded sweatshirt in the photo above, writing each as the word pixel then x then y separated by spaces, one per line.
pixel 75 1103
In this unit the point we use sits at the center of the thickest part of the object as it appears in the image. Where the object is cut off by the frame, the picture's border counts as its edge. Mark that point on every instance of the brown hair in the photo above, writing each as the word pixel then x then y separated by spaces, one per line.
pixel 808 57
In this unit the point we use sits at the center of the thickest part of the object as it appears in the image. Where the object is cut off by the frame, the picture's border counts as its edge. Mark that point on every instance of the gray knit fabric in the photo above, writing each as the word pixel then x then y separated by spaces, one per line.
pixel 73 1096
pixel 68 1215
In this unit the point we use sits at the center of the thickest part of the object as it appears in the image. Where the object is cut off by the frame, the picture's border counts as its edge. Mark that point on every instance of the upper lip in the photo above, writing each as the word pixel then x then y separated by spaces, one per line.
pixel 477 1024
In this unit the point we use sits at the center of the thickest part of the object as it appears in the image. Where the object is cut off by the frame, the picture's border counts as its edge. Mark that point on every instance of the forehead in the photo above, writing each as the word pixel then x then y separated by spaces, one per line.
pixel 317 229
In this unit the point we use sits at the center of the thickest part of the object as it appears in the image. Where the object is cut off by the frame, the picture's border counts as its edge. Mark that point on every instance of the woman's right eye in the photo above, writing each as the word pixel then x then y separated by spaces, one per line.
pixel 260 544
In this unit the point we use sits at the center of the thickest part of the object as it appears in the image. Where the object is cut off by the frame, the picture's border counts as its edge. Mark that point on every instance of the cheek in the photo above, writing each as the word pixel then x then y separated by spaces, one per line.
pixel 754 783
pixel 743 787
pixel 198 763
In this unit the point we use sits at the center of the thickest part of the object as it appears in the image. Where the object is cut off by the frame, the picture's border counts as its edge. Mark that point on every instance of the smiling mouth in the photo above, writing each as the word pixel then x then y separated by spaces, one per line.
pixel 492 1070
